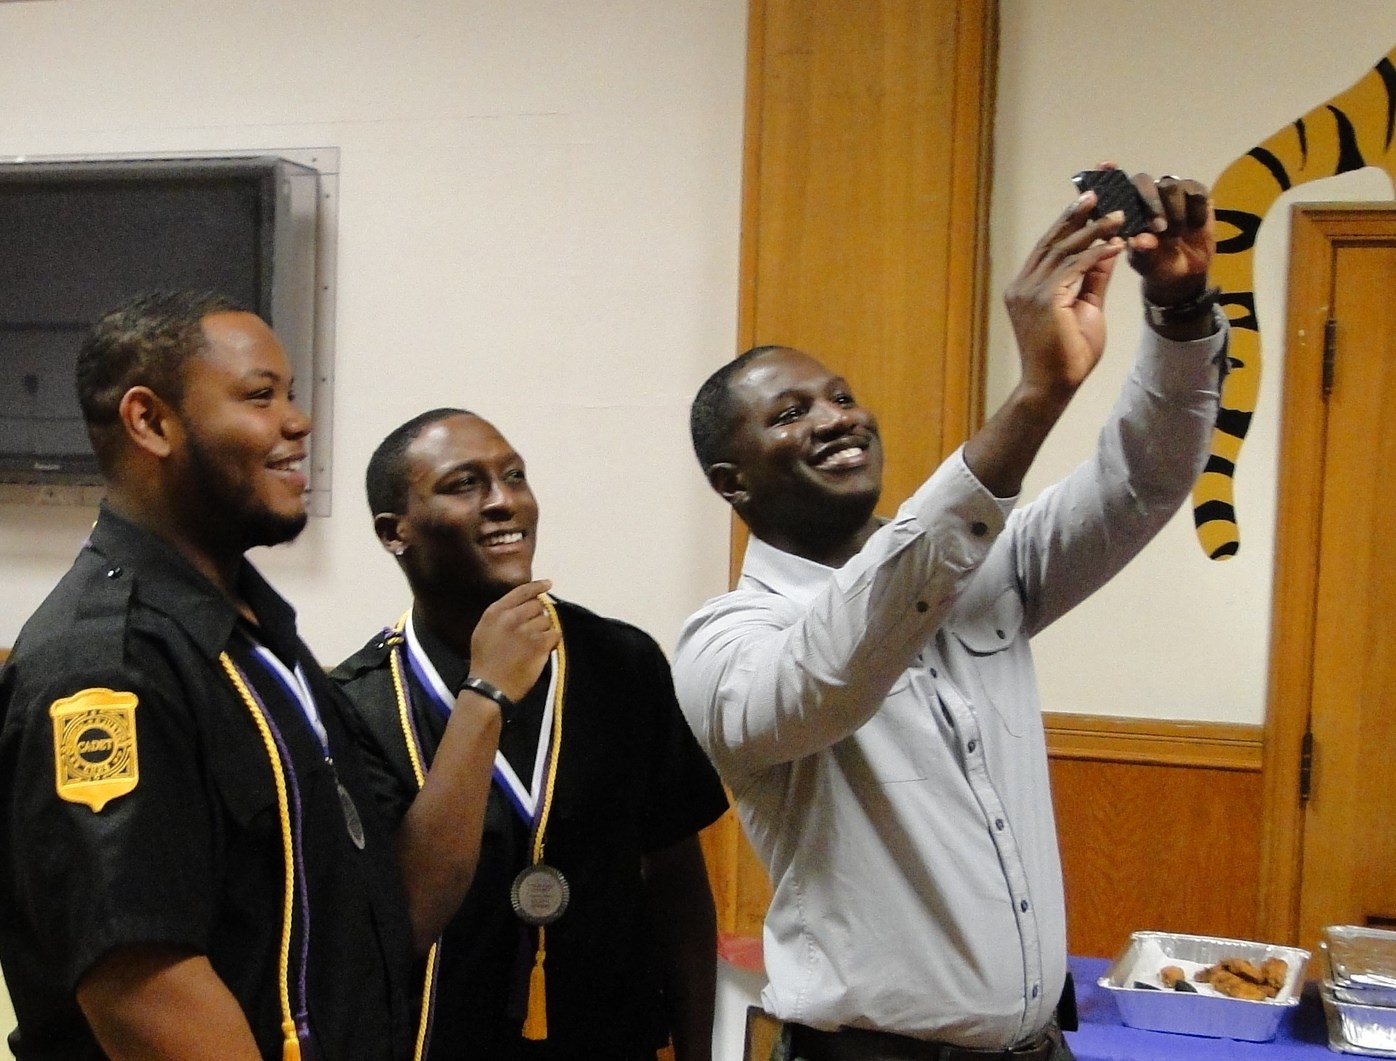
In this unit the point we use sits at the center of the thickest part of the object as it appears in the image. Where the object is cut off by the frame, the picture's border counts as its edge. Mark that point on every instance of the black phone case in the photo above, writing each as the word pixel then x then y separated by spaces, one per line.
pixel 1115 191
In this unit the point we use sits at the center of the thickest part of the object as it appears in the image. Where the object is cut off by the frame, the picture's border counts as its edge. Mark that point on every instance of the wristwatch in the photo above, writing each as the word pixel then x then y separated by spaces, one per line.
pixel 1185 312
pixel 507 708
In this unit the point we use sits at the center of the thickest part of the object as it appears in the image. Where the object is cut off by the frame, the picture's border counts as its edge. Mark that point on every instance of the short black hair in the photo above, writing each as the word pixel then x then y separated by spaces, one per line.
pixel 710 416
pixel 143 343
pixel 385 481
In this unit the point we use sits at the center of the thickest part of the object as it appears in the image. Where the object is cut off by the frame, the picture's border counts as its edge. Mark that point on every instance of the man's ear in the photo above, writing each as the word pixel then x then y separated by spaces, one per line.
pixel 148 421
pixel 727 480
pixel 388 527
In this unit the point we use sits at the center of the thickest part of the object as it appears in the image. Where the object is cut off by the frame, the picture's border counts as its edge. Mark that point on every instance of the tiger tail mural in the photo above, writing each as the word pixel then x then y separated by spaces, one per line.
pixel 1352 130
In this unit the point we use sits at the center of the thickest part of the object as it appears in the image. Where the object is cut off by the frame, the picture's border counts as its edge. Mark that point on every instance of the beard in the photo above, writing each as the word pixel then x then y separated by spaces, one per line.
pixel 232 500
pixel 820 522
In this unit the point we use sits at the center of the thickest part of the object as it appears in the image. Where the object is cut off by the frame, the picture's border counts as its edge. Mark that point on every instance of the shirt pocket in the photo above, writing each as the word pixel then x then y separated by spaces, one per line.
pixel 242 780
pixel 247 792
pixel 998 678
pixel 992 627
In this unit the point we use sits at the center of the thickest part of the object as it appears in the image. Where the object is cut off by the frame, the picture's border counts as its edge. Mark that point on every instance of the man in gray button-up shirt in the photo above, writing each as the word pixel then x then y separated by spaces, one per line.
pixel 867 690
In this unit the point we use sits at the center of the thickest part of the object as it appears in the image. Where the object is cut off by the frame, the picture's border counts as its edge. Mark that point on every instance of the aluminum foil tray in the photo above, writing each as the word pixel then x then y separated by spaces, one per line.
pixel 1361 964
pixel 1359 1029
pixel 1205 1012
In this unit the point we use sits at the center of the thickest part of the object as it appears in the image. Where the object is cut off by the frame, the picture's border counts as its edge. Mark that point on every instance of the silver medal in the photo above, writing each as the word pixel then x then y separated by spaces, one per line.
pixel 539 894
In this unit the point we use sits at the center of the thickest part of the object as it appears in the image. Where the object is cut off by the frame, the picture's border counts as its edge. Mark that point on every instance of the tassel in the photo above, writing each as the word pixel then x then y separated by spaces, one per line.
pixel 291 1048
pixel 535 1025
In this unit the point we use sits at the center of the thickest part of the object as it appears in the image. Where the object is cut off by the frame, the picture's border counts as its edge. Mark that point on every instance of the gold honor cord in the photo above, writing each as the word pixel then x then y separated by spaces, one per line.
pixel 291 1044
pixel 536 1022
pixel 414 753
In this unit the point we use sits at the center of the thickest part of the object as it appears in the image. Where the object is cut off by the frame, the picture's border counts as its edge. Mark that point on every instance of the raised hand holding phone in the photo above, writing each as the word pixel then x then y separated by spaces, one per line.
pixel 1115 191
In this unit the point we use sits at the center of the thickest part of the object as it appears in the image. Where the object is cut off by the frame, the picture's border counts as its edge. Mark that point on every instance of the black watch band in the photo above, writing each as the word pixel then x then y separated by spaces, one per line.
pixel 507 708
pixel 1186 312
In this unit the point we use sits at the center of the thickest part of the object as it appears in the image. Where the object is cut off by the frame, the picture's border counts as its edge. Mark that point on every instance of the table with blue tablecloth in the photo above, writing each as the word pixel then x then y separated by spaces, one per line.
pixel 1103 1036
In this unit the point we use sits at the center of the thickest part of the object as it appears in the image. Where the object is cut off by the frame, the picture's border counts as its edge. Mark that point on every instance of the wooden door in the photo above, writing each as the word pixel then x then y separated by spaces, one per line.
pixel 1337 561
pixel 1349 856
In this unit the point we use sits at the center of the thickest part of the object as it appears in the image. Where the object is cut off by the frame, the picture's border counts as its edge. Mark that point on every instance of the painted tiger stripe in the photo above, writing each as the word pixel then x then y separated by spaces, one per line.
pixel 1353 130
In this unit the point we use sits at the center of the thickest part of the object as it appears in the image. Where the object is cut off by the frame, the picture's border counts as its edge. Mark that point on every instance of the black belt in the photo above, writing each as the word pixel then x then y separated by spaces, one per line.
pixel 861 1044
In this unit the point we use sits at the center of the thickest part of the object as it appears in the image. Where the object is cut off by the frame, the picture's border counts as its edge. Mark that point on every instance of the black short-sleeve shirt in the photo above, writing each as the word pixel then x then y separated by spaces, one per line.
pixel 183 845
pixel 631 780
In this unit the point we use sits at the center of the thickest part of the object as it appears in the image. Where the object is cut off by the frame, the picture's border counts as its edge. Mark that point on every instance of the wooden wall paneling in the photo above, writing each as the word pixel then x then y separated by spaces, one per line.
pixel 1204 745
pixel 1159 825
pixel 1156 847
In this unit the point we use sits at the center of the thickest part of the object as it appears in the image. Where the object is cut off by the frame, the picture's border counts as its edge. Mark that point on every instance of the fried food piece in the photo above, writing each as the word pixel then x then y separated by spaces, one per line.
pixel 1228 983
pixel 1169 976
pixel 1240 978
pixel 1276 972
pixel 1244 969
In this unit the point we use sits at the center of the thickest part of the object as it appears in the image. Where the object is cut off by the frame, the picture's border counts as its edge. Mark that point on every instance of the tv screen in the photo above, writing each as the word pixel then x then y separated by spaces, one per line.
pixel 81 238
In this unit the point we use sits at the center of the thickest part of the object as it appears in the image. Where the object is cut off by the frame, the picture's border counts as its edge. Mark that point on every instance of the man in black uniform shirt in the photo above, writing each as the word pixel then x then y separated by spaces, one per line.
pixel 191 865
pixel 589 931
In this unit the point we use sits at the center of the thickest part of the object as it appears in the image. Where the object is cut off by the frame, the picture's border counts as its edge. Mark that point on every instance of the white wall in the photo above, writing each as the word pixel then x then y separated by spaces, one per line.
pixel 538 218
pixel 1183 88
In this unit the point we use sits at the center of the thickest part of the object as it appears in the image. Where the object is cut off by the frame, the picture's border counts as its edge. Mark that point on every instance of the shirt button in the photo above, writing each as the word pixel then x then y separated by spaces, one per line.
pixel 935 673
pixel 978 529
pixel 998 824
pixel 973 744
pixel 1035 990
pixel 1001 634
pixel 114 572
pixel 922 606
pixel 1023 906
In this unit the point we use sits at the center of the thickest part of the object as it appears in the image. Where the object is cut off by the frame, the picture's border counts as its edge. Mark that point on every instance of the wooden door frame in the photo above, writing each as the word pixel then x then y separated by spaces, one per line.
pixel 1317 230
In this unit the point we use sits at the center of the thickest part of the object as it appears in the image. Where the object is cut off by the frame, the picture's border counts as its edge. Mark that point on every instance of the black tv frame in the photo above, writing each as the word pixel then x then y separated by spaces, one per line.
pixel 98 231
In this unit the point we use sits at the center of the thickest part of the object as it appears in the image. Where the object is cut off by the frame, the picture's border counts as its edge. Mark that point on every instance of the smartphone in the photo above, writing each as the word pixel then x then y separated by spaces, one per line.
pixel 1115 191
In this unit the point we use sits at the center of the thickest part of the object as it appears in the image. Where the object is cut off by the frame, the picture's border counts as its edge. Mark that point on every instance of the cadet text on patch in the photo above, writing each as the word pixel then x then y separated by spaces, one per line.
pixel 94 746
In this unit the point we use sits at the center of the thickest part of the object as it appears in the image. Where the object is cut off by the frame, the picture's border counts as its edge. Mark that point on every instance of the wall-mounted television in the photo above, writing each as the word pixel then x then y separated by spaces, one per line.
pixel 78 238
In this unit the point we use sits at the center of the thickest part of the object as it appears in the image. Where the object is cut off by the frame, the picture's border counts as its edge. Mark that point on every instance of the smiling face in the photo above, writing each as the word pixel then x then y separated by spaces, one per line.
pixel 805 467
pixel 241 463
pixel 470 523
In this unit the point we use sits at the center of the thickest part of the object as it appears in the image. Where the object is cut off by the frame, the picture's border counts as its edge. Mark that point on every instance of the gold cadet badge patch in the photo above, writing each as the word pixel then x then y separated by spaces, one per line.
pixel 94 746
